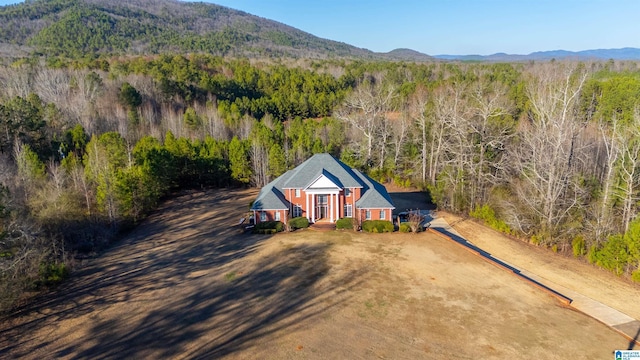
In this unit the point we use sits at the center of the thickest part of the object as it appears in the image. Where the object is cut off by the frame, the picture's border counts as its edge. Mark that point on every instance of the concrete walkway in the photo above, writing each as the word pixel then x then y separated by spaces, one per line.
pixel 618 321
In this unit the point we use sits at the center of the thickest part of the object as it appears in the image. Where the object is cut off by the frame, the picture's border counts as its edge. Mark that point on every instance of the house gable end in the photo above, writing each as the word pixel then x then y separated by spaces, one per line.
pixel 324 182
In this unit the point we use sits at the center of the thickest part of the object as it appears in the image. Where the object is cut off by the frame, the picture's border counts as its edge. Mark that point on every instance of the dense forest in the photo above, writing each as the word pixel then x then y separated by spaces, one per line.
pixel 93 137
pixel 546 152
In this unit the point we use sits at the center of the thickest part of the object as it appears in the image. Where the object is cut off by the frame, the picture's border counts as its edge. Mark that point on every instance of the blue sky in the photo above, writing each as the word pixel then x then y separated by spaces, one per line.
pixel 458 26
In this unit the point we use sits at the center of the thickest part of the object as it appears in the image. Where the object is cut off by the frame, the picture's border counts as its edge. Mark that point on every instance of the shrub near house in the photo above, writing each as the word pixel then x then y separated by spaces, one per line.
pixel 269 227
pixel 377 226
pixel 298 223
pixel 345 224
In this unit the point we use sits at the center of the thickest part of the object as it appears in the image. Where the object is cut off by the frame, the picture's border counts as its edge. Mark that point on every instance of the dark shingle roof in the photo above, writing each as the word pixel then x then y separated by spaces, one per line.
pixel 314 166
pixel 375 195
pixel 271 196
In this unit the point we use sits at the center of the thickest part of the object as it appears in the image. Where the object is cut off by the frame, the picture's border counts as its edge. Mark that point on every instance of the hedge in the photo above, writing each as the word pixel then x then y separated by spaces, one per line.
pixel 298 223
pixel 405 228
pixel 345 224
pixel 276 226
pixel 377 226
pixel 265 231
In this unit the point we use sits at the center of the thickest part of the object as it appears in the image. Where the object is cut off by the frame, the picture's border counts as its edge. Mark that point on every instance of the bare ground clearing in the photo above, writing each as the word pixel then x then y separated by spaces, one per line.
pixel 186 284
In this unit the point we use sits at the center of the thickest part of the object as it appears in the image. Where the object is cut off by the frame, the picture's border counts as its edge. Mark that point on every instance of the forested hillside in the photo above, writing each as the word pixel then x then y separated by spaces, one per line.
pixel 87 29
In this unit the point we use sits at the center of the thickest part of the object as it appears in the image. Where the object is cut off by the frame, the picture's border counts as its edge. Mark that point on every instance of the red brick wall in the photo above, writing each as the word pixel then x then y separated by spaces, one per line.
pixel 375 214
pixel 302 201
pixel 351 199
pixel 271 215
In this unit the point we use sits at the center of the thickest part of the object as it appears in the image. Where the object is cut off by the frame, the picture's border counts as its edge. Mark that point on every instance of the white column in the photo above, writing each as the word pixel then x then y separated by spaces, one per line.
pixel 337 206
pixel 313 207
pixel 330 207
pixel 307 208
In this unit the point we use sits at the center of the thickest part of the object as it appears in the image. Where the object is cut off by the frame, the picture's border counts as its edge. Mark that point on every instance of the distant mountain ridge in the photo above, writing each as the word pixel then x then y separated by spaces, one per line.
pixel 597 54
pixel 91 28
pixel 81 28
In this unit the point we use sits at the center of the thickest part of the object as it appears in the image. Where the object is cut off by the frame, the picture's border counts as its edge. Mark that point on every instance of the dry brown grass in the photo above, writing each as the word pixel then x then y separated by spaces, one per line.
pixel 187 284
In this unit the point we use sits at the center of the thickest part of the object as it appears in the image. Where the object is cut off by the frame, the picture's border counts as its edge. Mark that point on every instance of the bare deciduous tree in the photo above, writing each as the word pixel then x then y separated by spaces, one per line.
pixel 172 119
pixel 418 112
pixel 214 123
pixel 602 223
pixel 15 82
pixel 52 85
pixel 364 109
pixel 400 131
pixel 453 147
pixel 629 171
pixel 543 157
pixel 491 127
pixel 415 220
pixel 84 97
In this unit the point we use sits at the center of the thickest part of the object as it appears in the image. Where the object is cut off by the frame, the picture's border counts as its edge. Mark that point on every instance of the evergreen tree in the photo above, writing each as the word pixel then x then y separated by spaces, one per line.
pixel 105 158
pixel 239 160
pixel 277 161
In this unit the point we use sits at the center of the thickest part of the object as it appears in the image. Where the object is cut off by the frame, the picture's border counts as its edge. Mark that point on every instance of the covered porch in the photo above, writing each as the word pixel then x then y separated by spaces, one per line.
pixel 323 205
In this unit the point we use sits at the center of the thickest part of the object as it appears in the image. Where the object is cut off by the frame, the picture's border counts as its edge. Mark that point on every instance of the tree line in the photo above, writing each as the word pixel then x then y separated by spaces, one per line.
pixel 547 152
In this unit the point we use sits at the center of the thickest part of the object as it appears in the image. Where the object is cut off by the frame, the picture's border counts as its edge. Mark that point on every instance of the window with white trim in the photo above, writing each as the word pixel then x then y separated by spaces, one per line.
pixel 277 215
pixel 348 210
pixel 297 192
pixel 263 216
pixel 382 214
pixel 297 210
pixel 367 215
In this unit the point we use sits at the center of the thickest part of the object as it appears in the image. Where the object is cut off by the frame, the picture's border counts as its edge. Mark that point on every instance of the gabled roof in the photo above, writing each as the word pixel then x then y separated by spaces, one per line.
pixel 319 164
pixel 373 194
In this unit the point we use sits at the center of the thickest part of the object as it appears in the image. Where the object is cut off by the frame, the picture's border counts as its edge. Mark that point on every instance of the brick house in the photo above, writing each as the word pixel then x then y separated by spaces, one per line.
pixel 322 189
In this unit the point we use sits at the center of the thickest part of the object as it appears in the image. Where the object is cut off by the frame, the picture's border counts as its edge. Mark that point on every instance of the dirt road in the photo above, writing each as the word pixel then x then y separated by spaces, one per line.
pixel 187 284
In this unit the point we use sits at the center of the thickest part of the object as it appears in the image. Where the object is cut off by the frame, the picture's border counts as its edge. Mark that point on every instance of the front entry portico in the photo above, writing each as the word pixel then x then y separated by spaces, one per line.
pixel 324 205
pixel 323 199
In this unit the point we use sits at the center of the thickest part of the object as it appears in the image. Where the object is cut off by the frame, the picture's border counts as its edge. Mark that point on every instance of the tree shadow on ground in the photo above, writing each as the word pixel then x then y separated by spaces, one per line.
pixel 184 283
